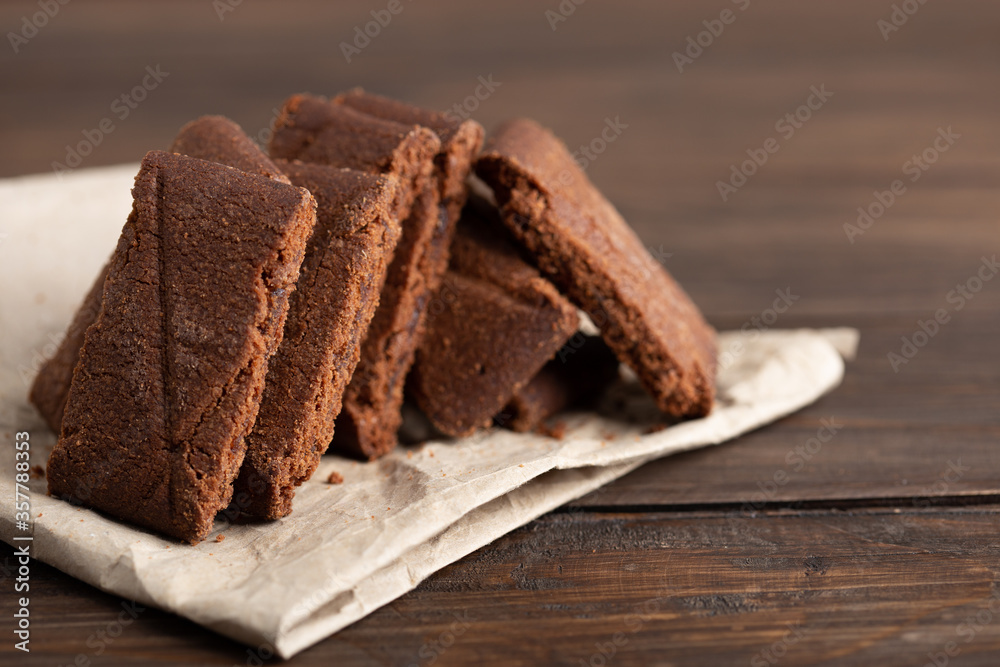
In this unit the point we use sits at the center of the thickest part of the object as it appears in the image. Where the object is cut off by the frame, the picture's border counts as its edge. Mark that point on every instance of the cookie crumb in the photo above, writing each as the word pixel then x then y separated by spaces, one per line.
pixel 655 428
pixel 335 478
pixel 220 538
pixel 37 472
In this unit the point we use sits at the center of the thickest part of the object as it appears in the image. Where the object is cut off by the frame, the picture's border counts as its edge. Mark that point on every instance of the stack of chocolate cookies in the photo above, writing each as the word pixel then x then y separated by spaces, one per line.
pixel 260 309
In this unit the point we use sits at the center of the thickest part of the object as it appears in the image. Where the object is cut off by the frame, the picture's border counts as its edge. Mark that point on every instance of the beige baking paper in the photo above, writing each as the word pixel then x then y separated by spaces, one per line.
pixel 349 548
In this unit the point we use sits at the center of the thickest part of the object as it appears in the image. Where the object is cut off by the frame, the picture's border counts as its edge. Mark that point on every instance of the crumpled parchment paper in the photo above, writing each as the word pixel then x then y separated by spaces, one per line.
pixel 347 548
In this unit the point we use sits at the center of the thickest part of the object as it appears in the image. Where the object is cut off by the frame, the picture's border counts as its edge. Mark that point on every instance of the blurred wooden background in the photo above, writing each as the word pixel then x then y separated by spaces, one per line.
pixel 875 552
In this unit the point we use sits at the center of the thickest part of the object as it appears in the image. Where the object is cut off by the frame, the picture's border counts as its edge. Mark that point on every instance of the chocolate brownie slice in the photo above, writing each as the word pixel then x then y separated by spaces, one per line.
pixel 329 132
pixel 218 139
pixel 373 404
pixel 313 129
pixel 372 410
pixel 171 374
pixel 212 138
pixel 581 242
pixel 581 369
pixel 460 143
pixel 491 327
pixel 342 276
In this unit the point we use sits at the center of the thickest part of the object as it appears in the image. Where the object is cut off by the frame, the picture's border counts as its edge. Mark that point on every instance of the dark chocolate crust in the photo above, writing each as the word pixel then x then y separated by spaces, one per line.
pixel 373 411
pixel 493 324
pixel 50 388
pixel 341 278
pixel 171 374
pixel 580 241
pixel 460 143
pixel 212 138
pixel 218 139
pixel 576 375
pixel 313 129
pixel 381 136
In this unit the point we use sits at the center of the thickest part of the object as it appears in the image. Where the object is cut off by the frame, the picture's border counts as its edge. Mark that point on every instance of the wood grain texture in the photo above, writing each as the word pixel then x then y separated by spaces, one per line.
pixel 928 431
pixel 876 548
pixel 690 588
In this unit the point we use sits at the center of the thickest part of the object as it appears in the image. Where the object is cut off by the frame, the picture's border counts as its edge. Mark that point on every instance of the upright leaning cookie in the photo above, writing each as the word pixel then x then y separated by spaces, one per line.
pixel 460 144
pixel 212 138
pixel 171 374
pixel 342 275
pixel 582 243
pixel 218 139
pixel 313 129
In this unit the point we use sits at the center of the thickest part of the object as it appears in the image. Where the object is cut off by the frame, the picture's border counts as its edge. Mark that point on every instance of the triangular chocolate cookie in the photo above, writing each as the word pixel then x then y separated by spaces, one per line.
pixel 342 276
pixel 212 138
pixel 578 239
pixel 170 376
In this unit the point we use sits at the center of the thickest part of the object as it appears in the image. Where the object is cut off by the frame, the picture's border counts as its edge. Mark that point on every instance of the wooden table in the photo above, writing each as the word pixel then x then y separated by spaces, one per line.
pixel 878 548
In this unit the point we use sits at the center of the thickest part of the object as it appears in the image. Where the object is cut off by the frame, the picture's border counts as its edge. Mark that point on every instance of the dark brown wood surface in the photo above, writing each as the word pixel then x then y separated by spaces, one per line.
pixel 881 548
